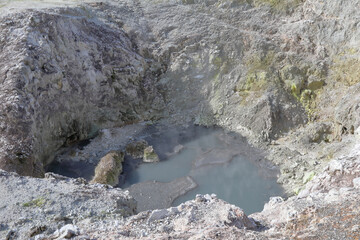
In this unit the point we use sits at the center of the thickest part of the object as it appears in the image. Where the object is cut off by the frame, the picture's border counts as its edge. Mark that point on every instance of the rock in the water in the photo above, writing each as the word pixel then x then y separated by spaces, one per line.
pixel 150 155
pixel 136 149
pixel 109 169
pixel 142 150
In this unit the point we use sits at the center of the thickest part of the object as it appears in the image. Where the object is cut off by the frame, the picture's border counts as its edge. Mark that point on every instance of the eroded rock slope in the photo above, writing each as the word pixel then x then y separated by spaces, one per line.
pixel 65 76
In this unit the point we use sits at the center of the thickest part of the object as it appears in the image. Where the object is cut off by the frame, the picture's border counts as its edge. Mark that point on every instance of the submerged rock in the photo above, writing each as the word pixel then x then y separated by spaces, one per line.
pixel 177 149
pixel 109 169
pixel 156 195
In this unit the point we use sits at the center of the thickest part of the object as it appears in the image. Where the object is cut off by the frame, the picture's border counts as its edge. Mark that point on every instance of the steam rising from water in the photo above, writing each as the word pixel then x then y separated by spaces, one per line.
pixel 219 162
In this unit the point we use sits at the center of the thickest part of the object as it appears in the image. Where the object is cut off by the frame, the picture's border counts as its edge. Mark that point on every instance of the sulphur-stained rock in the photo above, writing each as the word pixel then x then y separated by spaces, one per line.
pixel 109 169
pixel 136 149
pixel 150 155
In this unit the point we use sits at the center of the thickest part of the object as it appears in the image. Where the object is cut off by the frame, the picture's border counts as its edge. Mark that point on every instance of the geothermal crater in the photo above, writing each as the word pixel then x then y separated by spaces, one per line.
pixel 166 98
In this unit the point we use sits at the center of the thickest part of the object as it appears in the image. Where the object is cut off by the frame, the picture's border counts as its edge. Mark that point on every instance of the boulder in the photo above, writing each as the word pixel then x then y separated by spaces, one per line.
pixel 109 169
pixel 66 232
pixel 150 155
pixel 136 149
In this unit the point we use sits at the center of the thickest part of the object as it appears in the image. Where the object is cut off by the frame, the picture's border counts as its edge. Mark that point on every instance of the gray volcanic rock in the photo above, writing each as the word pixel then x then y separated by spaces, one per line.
pixel 66 75
pixel 52 202
pixel 327 211
pixel 204 217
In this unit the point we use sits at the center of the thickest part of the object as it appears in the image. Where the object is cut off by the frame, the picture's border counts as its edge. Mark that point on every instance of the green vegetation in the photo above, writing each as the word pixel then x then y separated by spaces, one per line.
pixel 39 202
pixel 222 63
pixel 255 81
pixel 295 91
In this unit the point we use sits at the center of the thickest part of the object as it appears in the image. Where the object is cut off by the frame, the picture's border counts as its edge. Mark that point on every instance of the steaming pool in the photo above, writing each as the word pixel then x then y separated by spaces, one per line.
pixel 193 160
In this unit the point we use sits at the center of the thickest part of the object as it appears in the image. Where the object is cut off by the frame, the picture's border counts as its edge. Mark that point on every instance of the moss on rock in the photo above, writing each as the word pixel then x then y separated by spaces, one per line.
pixel 150 155
pixel 136 149
pixel 38 202
pixel 109 168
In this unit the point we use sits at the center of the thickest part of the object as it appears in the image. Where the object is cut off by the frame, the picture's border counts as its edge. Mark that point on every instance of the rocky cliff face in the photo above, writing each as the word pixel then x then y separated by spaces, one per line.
pixel 65 77
pixel 282 73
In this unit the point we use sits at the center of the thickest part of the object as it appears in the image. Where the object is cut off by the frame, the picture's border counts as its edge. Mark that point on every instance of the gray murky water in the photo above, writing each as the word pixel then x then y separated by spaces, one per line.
pixel 219 162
